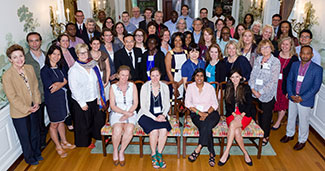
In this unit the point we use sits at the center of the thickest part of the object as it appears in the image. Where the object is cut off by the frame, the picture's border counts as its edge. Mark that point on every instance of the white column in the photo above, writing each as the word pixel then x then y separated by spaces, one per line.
pixel 271 7
pixel 235 10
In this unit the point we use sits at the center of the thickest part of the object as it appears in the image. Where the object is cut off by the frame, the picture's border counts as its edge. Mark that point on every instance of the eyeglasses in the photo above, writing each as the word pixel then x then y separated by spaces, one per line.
pixel 265 47
pixel 108 35
pixel 305 37
pixel 83 53
pixel 139 35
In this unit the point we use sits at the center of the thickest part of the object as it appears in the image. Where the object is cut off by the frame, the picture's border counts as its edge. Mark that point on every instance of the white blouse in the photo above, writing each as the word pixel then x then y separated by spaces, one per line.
pixel 83 85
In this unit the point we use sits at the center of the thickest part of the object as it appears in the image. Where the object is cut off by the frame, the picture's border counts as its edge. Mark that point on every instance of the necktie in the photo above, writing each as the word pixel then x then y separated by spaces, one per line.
pixel 90 36
pixel 80 29
pixel 130 56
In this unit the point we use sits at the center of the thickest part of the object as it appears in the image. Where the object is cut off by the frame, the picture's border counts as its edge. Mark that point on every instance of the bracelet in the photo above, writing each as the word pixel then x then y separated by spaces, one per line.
pixel 197 112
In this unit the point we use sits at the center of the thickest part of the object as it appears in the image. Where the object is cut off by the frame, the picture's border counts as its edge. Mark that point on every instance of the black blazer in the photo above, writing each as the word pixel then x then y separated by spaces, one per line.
pixel 111 62
pixel 143 25
pixel 84 30
pixel 159 62
pixel 211 25
pixel 286 71
pixel 85 37
pixel 122 58
pixel 247 107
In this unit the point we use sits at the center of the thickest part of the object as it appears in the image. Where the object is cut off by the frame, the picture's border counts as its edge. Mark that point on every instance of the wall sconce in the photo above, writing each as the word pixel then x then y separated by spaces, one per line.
pixel 256 8
pixel 57 28
pixel 307 21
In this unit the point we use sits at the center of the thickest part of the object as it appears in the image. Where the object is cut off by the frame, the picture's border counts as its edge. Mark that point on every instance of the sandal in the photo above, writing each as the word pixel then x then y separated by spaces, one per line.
pixel 194 156
pixel 155 163
pixel 212 161
pixel 67 145
pixel 162 164
pixel 264 143
pixel 61 152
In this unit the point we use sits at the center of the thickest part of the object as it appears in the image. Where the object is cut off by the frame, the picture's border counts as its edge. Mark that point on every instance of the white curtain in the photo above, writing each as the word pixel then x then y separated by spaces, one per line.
pixel 235 10
pixel 271 7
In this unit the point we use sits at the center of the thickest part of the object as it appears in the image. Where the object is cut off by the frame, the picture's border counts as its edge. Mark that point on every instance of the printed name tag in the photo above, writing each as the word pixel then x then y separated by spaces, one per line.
pixel 280 76
pixel 139 60
pixel 259 82
pixel 157 109
pixel 148 73
pixel 208 74
pixel 150 58
pixel 199 107
pixel 266 66
pixel 300 78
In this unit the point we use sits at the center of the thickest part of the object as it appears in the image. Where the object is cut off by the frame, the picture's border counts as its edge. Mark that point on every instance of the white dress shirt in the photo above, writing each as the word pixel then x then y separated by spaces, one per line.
pixel 133 56
pixel 83 85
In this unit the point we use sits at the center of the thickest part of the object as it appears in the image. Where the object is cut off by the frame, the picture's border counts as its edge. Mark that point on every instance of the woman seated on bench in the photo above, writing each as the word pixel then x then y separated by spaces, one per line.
pixel 239 108
pixel 123 98
pixel 201 99
pixel 153 115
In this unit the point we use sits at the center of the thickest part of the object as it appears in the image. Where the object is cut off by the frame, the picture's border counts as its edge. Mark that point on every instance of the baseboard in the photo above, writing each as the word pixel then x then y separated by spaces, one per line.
pixel 320 139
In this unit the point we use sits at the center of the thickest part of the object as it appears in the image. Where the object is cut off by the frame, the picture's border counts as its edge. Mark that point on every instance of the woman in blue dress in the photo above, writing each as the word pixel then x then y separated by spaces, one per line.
pixel 55 95
pixel 153 118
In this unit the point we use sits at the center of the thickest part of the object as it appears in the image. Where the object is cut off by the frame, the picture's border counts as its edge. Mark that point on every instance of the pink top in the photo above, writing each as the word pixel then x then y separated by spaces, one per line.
pixel 74 44
pixel 68 58
pixel 201 101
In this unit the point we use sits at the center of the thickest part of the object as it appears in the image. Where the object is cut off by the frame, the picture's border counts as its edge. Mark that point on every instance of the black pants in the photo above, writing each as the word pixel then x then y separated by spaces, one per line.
pixel 42 128
pixel 264 120
pixel 87 123
pixel 205 128
pixel 27 129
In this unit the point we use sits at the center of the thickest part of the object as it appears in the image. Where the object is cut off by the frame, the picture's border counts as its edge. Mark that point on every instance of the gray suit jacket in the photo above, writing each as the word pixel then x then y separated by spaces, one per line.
pixel 31 61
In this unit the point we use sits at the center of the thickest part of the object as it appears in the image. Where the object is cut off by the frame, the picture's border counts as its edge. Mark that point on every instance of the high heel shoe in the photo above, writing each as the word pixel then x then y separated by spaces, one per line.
pixel 61 152
pixel 221 163
pixel 249 163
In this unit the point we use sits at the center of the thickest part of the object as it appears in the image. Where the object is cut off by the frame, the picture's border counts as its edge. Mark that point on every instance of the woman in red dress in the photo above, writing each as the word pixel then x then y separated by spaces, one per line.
pixel 286 56
pixel 239 110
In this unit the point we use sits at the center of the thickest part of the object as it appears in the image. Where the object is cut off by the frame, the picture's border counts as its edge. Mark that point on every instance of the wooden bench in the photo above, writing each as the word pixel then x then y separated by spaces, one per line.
pixel 106 131
pixel 252 131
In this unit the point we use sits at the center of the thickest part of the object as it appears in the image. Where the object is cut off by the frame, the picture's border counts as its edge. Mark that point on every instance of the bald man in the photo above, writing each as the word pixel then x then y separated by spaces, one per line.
pixel 137 18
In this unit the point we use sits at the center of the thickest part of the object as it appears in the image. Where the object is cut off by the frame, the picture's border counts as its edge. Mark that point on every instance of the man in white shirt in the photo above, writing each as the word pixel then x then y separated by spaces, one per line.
pixel 130 28
pixel 137 18
pixel 101 20
pixel 80 25
pixel 186 17
pixel 197 29
pixel 305 38
pixel 276 19
pixel 171 24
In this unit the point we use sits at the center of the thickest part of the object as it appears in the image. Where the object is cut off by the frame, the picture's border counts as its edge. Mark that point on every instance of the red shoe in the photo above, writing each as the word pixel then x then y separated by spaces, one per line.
pixel 91 146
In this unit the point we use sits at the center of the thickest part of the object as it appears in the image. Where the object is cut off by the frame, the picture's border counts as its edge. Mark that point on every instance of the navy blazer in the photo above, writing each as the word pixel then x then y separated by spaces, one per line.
pixel 85 36
pixel 310 85
pixel 122 58
pixel 84 30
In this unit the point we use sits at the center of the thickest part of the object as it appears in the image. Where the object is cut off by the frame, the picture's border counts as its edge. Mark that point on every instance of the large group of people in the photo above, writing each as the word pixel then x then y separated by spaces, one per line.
pixel 91 69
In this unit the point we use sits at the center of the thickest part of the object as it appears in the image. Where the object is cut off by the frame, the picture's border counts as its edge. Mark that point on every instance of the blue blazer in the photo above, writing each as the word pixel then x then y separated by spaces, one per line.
pixel 310 85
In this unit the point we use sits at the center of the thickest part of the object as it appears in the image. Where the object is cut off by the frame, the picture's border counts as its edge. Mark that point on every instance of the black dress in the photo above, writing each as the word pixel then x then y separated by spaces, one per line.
pixel 147 123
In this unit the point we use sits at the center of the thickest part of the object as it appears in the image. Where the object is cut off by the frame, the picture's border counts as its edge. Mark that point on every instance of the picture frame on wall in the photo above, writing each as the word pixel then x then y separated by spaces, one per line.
pixel 225 4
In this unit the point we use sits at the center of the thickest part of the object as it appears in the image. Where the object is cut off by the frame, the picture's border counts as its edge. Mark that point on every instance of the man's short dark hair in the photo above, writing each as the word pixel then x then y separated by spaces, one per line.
pixel 277 15
pixel 79 11
pixel 306 31
pixel 125 12
pixel 203 9
pixel 128 35
pixel 185 6
pixel 307 46
pixel 147 9
pixel 33 33
pixel 69 24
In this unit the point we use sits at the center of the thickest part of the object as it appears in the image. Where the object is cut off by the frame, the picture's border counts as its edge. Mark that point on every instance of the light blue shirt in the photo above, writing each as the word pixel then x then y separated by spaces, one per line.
pixel 222 44
pixel 136 21
pixel 188 20
pixel 171 26
pixel 40 60
pixel 196 37
pixel 316 58
pixel 130 28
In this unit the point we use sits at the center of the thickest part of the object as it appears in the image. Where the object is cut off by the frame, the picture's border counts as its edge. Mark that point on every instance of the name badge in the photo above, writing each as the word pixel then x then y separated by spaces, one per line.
pixel 199 107
pixel 300 78
pixel 259 82
pixel 139 60
pixel 157 110
pixel 208 74
pixel 266 66
pixel 148 73
pixel 280 76
pixel 150 58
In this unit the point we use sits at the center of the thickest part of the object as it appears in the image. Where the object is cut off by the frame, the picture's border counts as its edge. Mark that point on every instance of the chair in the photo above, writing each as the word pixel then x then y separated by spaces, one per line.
pixel 106 131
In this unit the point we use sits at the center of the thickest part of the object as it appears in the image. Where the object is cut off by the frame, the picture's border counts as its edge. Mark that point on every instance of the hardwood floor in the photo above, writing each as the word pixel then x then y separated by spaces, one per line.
pixel 287 159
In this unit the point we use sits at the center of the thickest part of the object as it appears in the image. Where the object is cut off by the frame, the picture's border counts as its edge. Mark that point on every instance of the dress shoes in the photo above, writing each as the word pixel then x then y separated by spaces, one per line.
pixel 299 146
pixel 221 163
pixel 285 139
